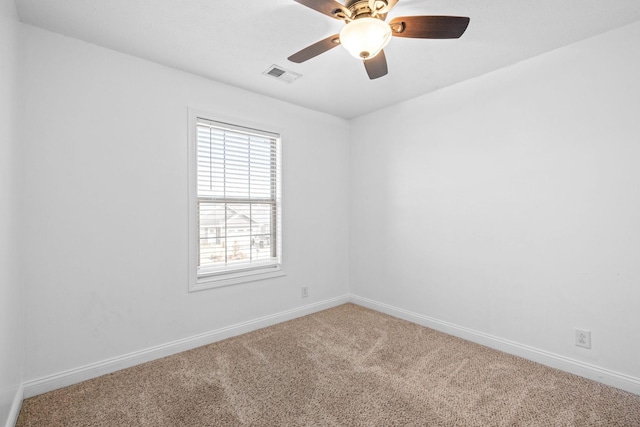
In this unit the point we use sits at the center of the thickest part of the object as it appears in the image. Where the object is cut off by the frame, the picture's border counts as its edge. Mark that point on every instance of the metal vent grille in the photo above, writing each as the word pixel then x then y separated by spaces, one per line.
pixel 276 72
pixel 282 74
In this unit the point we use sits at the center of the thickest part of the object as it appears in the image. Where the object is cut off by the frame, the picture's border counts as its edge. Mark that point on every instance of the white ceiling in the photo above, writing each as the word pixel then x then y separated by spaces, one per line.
pixel 234 41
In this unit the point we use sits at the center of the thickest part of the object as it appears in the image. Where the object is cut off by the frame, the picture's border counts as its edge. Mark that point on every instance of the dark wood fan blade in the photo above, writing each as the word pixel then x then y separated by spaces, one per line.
pixel 429 27
pixel 315 49
pixel 376 66
pixel 328 7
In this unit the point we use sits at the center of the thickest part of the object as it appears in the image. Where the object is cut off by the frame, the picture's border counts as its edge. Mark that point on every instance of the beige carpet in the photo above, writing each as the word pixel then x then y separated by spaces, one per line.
pixel 347 366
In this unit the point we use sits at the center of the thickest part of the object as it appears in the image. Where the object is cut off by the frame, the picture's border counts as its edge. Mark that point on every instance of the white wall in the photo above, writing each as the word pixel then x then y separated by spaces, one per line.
pixel 10 303
pixel 510 204
pixel 507 204
pixel 105 200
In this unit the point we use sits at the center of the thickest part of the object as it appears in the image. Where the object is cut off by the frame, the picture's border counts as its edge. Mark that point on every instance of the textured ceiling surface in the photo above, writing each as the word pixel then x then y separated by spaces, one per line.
pixel 234 42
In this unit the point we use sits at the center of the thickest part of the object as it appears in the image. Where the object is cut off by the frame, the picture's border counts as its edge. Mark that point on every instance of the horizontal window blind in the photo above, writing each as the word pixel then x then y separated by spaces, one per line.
pixel 238 202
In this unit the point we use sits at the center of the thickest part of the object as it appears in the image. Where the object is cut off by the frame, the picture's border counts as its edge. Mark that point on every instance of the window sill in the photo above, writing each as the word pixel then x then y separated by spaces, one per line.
pixel 229 279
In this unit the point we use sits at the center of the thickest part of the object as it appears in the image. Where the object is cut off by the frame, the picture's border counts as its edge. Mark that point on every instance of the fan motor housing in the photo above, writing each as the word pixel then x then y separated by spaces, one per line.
pixel 359 8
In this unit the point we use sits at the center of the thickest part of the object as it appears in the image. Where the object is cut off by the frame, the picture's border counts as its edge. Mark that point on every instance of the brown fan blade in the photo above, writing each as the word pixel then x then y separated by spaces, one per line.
pixel 328 7
pixel 376 66
pixel 315 49
pixel 429 27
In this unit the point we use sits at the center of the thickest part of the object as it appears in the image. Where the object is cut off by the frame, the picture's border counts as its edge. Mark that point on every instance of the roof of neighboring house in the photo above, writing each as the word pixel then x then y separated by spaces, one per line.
pixel 213 216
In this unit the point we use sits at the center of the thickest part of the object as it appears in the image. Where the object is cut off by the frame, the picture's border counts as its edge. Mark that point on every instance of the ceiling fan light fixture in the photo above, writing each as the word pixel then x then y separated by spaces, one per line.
pixel 364 38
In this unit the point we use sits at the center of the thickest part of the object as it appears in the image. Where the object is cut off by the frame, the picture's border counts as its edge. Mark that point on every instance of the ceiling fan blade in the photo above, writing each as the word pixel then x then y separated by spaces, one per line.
pixel 376 66
pixel 315 49
pixel 429 27
pixel 328 7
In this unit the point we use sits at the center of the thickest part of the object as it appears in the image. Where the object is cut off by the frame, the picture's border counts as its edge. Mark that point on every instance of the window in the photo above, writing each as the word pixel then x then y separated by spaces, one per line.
pixel 235 228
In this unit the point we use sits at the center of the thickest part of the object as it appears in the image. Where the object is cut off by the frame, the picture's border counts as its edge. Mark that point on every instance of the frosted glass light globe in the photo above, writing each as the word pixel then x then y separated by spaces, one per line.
pixel 364 38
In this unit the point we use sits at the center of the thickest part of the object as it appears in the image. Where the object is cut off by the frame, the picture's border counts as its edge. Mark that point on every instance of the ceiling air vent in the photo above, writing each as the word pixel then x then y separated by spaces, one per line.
pixel 281 74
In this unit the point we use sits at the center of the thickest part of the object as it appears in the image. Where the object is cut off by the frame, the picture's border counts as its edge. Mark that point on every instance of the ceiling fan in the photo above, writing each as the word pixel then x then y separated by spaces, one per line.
pixel 366 33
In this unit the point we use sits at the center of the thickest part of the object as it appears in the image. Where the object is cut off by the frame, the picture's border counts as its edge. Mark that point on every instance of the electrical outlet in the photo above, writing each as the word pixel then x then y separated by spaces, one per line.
pixel 305 291
pixel 583 338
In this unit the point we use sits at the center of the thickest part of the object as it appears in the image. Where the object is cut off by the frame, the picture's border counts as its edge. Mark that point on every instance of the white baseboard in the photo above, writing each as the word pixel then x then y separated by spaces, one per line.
pixel 605 376
pixel 74 376
pixel 12 419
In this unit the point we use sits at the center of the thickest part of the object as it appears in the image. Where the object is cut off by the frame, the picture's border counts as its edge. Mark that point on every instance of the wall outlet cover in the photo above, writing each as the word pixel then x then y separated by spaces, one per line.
pixel 583 338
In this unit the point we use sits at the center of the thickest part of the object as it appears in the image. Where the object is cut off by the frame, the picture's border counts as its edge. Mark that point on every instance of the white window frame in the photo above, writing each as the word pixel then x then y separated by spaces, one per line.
pixel 228 276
